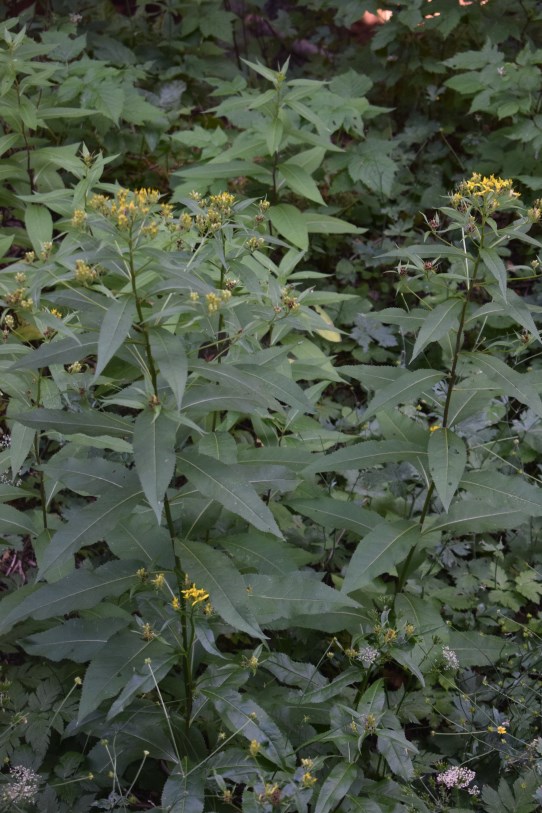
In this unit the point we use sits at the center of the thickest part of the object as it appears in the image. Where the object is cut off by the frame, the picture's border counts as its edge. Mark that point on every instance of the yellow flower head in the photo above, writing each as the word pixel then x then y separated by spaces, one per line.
pixel 501 730
pixel 435 427
pixel 308 780
pixel 194 595
pixel 254 748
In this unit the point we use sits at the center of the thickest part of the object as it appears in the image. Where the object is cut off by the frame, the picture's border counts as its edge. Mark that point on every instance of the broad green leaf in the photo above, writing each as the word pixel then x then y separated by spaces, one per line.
pixel 39 225
pixel 336 786
pixel 372 377
pixel 243 716
pixel 138 535
pixel 78 639
pixel 290 223
pixel 184 793
pixel 169 356
pixel 80 590
pixel 506 379
pixel 61 351
pixel 367 454
pixel 212 570
pixel 396 750
pixel 295 457
pixel 337 514
pixel 300 182
pixel 476 516
pixel 409 386
pixel 476 649
pixel 437 323
pixel 109 671
pixel 317 223
pixel 154 456
pixel 277 385
pixel 504 490
pixel 90 422
pixel 295 597
pixel 411 320
pixel 115 327
pixel 383 548
pixel 87 476
pixel 143 680
pixel 5 243
pixel 496 267
pixel 274 136
pixel 87 526
pixel 13 521
pixel 447 460
pixel 263 553
pixel 215 479
pixel 22 439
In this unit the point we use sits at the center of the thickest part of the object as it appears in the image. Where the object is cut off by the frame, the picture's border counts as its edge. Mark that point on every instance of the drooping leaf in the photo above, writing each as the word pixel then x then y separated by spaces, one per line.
pixel 115 327
pixel 60 351
pixel 336 785
pixel 78 639
pixel 89 422
pixel 215 479
pixel 495 265
pixel 447 461
pixel 154 456
pixel 39 225
pixel 184 793
pixel 80 590
pixel 476 516
pixel 13 521
pixel 213 571
pixel 301 182
pixel 437 323
pixel 89 525
pixel 503 490
pixel 169 355
pixel 512 383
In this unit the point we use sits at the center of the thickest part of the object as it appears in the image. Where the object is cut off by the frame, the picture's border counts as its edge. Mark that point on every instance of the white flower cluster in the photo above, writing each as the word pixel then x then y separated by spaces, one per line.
pixel 458 778
pixel 451 660
pixel 23 786
pixel 367 656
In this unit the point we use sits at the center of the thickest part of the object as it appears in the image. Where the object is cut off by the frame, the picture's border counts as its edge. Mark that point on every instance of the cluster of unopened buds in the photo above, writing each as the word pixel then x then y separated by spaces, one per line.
pixel 125 208
pixel 289 301
pixel 18 298
pixel 85 274
pixel 216 210
pixel 214 301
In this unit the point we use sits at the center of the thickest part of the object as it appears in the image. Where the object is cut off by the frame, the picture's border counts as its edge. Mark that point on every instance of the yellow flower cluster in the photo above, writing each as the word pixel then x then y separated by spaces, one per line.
pixel 217 210
pixel 194 595
pixel 484 192
pixel 308 780
pixel 126 207
pixel 18 298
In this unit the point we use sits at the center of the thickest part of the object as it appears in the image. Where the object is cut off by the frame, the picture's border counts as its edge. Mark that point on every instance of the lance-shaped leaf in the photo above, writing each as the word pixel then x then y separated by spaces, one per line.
pixel 62 351
pixel 13 521
pixel 184 793
pixel 154 456
pixel 496 267
pixel 114 664
pixel 379 552
pixel 169 355
pixel 88 526
pixel 300 182
pixel 115 327
pixel 243 716
pixel 215 479
pixel 502 490
pixel 409 386
pixel 39 225
pixel 436 324
pixel 90 422
pixel 367 454
pixel 78 639
pixel 295 598
pixel 289 222
pixel 337 514
pixel 447 461
pixel 80 590
pixel 336 785
pixel 214 572
pixel 509 381
pixel 476 516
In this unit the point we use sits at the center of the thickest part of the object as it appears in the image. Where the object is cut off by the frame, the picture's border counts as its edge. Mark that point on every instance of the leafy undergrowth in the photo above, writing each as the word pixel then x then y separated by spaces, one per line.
pixel 270 487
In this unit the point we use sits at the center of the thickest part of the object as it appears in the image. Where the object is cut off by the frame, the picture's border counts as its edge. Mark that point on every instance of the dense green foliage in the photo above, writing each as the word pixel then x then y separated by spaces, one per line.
pixel 270 490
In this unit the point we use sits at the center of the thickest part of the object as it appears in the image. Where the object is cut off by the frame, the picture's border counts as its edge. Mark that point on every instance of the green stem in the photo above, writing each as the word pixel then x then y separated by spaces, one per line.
pixel 178 569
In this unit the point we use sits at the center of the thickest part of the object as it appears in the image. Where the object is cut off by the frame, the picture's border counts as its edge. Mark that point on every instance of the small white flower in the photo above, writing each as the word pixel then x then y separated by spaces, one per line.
pixel 451 660
pixel 23 785
pixel 456 778
pixel 367 656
